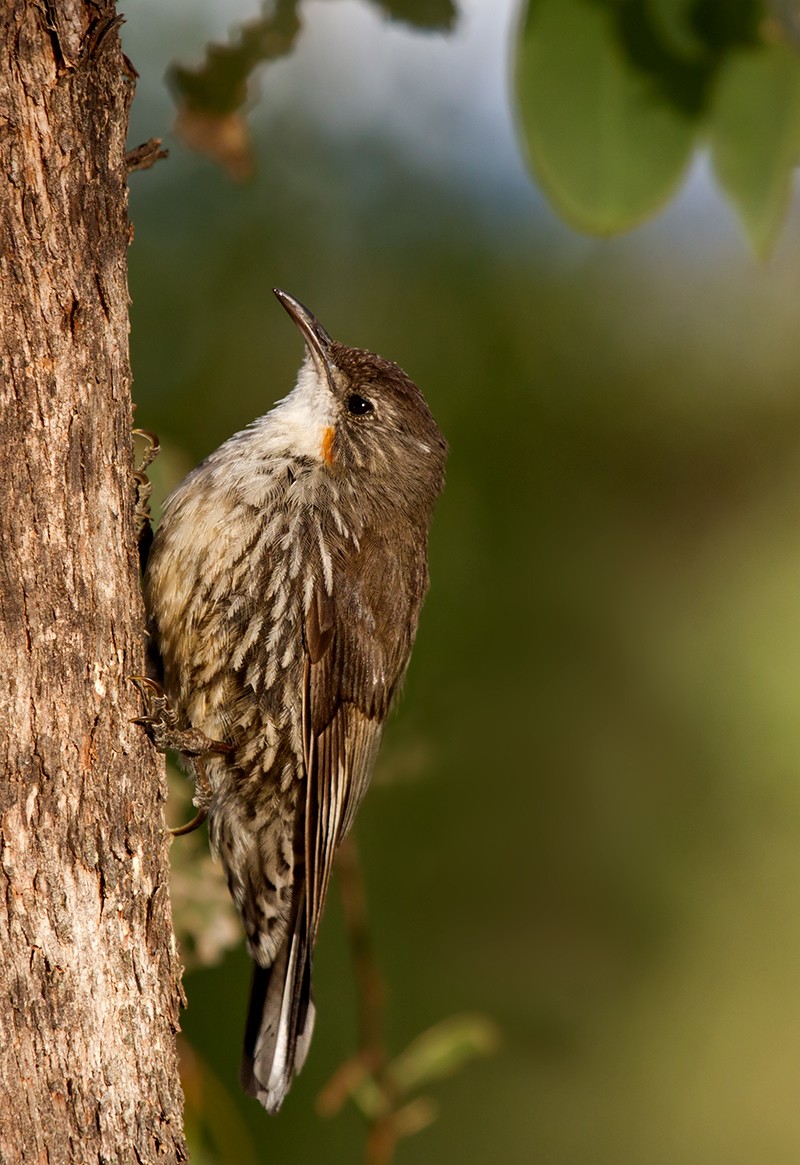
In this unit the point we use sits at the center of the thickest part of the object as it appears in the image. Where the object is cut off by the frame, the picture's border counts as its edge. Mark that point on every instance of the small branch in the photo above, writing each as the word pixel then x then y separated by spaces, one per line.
pixel 382 1088
pixel 145 155
pixel 371 988
pixel 365 1073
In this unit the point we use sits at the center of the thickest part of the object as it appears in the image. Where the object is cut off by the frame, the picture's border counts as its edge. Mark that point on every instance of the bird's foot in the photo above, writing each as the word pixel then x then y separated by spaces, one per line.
pixel 152 448
pixel 160 722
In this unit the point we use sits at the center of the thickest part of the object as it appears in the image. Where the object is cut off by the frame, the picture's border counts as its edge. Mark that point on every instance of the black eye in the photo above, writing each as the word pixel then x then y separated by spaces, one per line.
pixel 357 405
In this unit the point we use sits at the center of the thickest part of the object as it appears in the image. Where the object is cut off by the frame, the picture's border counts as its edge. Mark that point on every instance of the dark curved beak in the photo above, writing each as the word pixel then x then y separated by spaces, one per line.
pixel 318 342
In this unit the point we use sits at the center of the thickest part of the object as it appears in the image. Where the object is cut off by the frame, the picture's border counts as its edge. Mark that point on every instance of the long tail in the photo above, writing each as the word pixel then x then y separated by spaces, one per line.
pixel 280 1020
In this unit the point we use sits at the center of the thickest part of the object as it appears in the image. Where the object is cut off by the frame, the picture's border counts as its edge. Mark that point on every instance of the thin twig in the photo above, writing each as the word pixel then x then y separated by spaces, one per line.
pixel 145 155
pixel 371 988
pixel 372 1057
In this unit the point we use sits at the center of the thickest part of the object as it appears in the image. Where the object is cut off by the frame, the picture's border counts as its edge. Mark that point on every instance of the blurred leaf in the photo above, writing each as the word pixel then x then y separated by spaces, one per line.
pixel 442 1050
pixel 368 1097
pixel 607 136
pixel 211 96
pixel 697 30
pixel 344 1084
pixel 414 1117
pixel 223 137
pixel 755 136
pixel 430 15
pixel 673 21
pixel 724 26
pixel 220 85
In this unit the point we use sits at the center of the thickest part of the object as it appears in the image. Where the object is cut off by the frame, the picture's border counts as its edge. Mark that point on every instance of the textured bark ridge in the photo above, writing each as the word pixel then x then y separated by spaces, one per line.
pixel 89 975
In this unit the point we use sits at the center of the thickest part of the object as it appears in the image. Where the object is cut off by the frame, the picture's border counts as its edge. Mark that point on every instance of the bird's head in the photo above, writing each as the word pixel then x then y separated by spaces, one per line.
pixel 364 419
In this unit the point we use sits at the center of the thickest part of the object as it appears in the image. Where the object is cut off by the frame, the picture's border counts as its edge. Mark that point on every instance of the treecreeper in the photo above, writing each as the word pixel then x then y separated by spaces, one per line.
pixel 283 591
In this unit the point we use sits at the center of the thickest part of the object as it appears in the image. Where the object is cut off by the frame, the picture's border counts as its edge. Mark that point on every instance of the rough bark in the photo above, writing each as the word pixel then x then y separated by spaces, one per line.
pixel 89 976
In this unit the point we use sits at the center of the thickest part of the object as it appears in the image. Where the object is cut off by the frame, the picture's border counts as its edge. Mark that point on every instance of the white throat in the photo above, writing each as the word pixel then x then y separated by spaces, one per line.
pixel 298 424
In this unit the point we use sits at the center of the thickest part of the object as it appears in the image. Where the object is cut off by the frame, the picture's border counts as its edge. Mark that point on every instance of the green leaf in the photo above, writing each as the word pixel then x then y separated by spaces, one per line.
pixel 674 24
pixel 754 134
pixel 220 85
pixel 607 137
pixel 442 1050
pixel 425 15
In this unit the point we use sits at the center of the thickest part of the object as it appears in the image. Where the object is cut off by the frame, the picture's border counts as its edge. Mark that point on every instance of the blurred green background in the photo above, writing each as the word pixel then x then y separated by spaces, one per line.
pixel 585 822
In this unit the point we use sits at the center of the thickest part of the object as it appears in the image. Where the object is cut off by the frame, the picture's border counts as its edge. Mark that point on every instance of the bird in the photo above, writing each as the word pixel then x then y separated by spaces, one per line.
pixel 283 590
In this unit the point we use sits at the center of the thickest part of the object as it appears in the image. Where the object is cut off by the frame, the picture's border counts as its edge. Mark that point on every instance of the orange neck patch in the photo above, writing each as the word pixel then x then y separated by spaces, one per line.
pixel 327 445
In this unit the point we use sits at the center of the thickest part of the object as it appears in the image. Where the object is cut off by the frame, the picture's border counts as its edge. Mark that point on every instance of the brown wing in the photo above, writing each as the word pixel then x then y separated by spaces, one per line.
pixel 357 646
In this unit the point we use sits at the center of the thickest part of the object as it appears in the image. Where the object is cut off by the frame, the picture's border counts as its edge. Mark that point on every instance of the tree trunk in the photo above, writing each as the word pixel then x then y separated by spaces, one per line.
pixel 89 974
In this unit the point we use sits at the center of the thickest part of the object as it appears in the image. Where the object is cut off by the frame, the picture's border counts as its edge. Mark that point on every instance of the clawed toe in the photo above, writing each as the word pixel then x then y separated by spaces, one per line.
pixel 151 451
pixel 160 722
pixel 191 826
